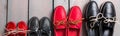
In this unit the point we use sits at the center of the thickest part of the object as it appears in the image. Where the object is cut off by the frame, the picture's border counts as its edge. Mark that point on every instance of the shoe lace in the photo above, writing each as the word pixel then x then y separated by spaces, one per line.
pixel 9 32
pixel 107 20
pixel 14 31
pixel 75 22
pixel 60 22
pixel 95 19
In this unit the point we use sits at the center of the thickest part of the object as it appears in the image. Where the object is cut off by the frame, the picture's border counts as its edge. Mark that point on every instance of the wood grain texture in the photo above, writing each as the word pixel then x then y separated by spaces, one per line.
pixel 2 15
pixel 40 8
pixel 63 3
pixel 17 10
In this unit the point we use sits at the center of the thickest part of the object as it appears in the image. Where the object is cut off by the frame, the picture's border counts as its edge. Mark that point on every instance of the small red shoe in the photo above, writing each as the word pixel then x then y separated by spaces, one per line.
pixel 22 28
pixel 74 21
pixel 10 28
pixel 60 21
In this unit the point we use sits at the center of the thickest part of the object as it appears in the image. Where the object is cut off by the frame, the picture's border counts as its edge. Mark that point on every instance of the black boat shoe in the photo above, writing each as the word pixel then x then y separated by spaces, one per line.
pixel 33 26
pixel 45 27
pixel 109 19
pixel 91 16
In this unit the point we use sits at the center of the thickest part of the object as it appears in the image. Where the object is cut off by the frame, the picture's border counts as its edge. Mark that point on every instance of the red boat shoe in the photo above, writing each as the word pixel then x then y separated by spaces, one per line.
pixel 22 28
pixel 10 29
pixel 74 21
pixel 60 21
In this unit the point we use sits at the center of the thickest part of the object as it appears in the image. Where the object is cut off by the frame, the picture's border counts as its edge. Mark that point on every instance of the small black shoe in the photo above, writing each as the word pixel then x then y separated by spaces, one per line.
pixel 108 22
pixel 45 27
pixel 33 26
pixel 91 14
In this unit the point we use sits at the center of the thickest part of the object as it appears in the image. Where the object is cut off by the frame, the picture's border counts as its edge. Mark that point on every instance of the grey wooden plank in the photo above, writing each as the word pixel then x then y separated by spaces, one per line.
pixel 40 8
pixel 17 10
pixel 2 15
pixel 63 3
pixel 80 3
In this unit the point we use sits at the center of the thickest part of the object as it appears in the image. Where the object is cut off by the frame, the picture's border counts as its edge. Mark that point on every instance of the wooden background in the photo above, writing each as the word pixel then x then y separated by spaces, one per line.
pixel 18 10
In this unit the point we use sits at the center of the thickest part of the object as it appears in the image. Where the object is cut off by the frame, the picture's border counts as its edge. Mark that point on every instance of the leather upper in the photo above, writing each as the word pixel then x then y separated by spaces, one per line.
pixel 91 13
pixel 109 13
pixel 75 18
pixel 45 27
pixel 59 18
pixel 33 26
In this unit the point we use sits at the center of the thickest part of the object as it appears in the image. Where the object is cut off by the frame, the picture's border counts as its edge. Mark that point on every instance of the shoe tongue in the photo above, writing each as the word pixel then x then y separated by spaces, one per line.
pixel 33 34
pixel 60 27
pixel 74 27
pixel 21 34
pixel 12 35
